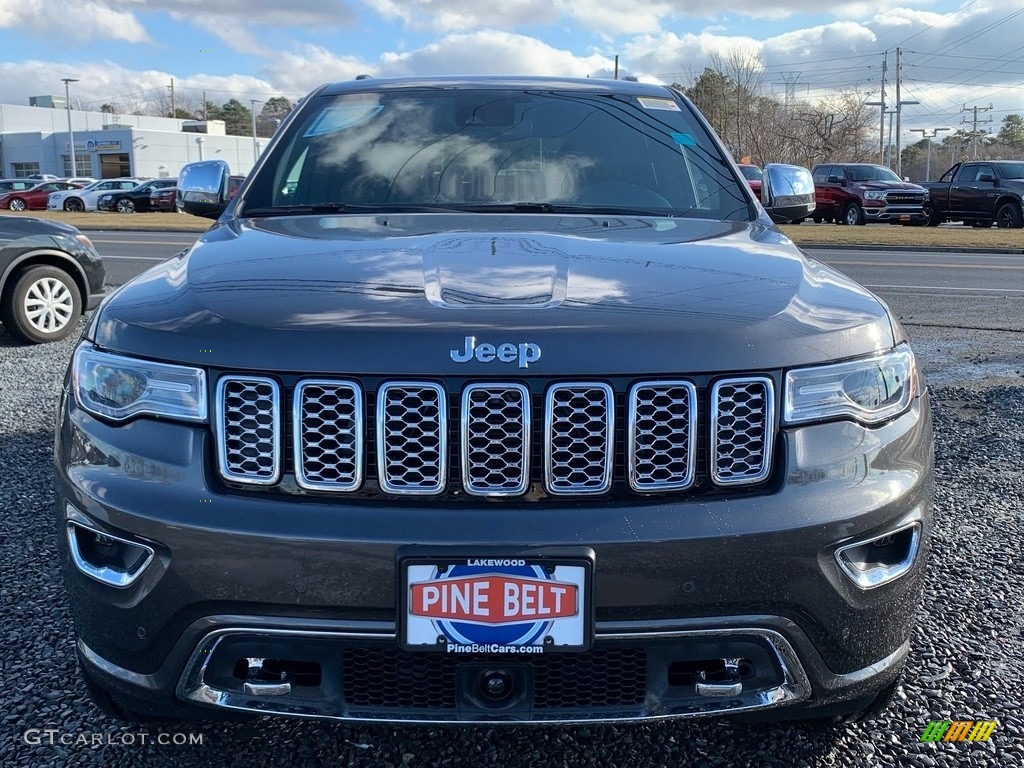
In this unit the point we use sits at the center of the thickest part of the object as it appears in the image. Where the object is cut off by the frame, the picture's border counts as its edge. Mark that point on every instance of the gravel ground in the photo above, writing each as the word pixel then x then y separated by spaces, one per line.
pixel 966 661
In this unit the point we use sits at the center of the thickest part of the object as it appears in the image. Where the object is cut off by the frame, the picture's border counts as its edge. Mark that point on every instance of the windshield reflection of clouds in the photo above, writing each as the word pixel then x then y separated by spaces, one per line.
pixel 398 157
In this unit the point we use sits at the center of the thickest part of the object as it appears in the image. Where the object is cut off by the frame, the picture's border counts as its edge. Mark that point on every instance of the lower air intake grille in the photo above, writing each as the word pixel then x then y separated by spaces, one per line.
pixel 389 678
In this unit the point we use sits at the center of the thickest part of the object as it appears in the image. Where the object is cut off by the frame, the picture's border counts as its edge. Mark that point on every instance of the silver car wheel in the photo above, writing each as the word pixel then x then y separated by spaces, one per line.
pixel 49 305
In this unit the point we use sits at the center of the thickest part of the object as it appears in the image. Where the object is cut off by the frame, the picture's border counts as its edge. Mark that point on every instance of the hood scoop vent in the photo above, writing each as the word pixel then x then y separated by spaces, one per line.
pixel 494 273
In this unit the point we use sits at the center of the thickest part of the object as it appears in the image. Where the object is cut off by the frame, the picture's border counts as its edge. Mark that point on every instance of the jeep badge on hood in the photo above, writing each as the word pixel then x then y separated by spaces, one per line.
pixel 525 353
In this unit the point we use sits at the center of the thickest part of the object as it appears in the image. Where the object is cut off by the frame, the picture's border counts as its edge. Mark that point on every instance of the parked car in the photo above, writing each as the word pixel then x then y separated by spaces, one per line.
pixel 163 199
pixel 85 199
pixel 752 174
pixel 35 198
pixel 49 273
pixel 861 193
pixel 42 177
pixel 493 400
pixel 979 193
pixel 83 181
pixel 16 185
pixel 132 200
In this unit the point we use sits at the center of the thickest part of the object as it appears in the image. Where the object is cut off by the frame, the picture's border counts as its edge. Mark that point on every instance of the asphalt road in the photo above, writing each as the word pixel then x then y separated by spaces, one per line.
pixel 948 290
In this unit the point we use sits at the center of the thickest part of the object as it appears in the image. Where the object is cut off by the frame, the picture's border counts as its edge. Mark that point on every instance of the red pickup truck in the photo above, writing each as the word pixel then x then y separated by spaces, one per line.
pixel 978 193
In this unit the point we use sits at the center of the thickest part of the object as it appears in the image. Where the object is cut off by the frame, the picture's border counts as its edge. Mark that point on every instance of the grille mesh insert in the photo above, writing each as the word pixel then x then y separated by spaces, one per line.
pixel 328 435
pixel 249 422
pixel 662 435
pixel 579 423
pixel 742 424
pixel 412 442
pixel 495 439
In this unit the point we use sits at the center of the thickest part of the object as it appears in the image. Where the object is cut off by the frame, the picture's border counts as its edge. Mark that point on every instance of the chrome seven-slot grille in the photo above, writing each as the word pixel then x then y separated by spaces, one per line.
pixel 413 434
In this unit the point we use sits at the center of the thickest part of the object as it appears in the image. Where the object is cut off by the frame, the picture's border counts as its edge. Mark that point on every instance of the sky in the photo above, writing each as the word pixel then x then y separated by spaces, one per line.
pixel 954 54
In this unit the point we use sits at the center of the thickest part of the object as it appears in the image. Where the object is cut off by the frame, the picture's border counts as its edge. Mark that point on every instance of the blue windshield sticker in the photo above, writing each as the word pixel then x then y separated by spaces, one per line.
pixel 338 118
pixel 684 139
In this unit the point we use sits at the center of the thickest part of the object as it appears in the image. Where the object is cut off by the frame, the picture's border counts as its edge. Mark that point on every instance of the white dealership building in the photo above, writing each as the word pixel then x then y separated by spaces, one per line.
pixel 35 139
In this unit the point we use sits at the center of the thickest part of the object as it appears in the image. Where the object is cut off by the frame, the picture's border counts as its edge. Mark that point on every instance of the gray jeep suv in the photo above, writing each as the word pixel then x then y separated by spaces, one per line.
pixel 493 400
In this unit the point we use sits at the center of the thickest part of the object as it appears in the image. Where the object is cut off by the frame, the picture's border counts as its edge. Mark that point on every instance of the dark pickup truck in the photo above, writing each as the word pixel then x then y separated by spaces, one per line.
pixel 978 193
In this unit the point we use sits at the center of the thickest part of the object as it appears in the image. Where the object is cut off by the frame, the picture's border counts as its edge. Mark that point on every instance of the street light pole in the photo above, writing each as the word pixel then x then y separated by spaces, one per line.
pixel 928 149
pixel 255 146
pixel 71 133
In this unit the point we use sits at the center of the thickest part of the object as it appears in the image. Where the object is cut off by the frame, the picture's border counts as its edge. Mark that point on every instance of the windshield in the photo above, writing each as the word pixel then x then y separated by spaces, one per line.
pixel 871 173
pixel 751 172
pixel 473 149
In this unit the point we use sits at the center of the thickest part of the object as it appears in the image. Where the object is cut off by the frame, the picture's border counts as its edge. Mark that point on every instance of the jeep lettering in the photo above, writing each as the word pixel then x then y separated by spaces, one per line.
pixel 506 353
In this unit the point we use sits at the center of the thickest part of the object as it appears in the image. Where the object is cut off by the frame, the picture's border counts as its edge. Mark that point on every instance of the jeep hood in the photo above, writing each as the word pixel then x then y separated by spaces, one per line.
pixel 397 295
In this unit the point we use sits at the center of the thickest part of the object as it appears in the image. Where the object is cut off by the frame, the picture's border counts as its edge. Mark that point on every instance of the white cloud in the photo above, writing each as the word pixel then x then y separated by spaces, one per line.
pixel 308 66
pixel 485 52
pixel 264 13
pixel 103 82
pixel 612 17
pixel 56 21
pixel 491 53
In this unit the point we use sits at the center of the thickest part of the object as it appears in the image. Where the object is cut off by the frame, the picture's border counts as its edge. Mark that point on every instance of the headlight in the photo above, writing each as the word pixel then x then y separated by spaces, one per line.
pixel 869 390
pixel 874 195
pixel 119 388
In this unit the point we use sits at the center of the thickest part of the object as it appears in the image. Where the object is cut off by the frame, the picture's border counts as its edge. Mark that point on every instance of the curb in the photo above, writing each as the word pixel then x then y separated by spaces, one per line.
pixel 914 248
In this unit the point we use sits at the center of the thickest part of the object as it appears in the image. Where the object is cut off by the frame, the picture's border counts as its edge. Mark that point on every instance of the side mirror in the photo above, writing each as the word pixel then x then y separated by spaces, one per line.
pixel 835 179
pixel 987 177
pixel 787 192
pixel 203 188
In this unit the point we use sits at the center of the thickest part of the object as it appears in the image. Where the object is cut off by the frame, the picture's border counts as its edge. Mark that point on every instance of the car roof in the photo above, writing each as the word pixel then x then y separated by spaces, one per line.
pixel 587 85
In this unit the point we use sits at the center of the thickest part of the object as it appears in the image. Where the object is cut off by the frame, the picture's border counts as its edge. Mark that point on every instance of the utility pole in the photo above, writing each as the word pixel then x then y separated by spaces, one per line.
pixel 205 110
pixel 888 144
pixel 616 66
pixel 255 146
pixel 881 121
pixel 974 124
pixel 174 111
pixel 899 109
pixel 928 150
pixel 71 133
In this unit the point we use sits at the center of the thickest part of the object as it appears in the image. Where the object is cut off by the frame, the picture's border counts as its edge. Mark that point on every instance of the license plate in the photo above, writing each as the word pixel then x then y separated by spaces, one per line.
pixel 904 217
pixel 513 605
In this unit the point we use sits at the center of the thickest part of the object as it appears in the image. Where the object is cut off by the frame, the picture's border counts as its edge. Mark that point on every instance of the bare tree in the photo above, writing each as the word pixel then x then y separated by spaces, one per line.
pixel 187 104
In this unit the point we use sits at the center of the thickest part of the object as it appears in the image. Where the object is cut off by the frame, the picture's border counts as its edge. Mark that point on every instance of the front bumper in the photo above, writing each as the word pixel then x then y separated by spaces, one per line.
pixel 310 584
pixel 896 214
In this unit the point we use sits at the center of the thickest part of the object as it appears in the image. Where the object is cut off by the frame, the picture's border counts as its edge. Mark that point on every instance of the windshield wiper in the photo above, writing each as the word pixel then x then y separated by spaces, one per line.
pixel 317 209
pixel 598 209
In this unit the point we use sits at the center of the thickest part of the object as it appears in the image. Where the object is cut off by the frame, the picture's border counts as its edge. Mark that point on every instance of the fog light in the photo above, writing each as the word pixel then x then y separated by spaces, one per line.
pixel 110 559
pixel 879 560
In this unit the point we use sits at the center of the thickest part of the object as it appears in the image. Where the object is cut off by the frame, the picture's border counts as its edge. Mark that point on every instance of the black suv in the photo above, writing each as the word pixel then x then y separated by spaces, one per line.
pixel 49 274
pixel 861 193
pixel 493 400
